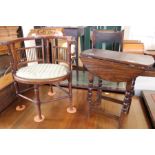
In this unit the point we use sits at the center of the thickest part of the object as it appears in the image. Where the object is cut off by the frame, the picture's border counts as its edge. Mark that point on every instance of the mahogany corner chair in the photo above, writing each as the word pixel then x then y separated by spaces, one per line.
pixel 31 64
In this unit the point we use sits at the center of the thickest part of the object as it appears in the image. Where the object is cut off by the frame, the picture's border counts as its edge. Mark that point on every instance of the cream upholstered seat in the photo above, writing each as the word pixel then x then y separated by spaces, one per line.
pixel 42 71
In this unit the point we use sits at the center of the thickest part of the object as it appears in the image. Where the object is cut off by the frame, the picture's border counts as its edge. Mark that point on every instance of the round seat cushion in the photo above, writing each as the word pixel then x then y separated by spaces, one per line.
pixel 42 71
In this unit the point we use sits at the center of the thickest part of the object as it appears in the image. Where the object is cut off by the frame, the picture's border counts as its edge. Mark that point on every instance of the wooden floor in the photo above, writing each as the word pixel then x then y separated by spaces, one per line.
pixel 56 116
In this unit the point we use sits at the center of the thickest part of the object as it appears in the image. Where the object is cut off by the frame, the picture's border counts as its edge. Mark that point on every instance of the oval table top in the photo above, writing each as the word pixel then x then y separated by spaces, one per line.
pixel 127 58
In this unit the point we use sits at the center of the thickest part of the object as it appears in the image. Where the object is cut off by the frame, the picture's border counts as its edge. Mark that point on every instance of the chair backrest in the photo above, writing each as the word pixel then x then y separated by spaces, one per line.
pixel 30 53
pixel 54 31
pixel 109 37
pixel 135 48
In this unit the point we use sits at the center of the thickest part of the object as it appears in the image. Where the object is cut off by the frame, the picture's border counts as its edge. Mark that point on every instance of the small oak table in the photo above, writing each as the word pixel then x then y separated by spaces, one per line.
pixel 116 67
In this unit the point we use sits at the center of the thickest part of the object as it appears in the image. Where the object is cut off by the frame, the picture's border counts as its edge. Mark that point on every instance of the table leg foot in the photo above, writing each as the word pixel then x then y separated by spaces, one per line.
pixel 38 119
pixel 20 107
pixel 71 110
pixel 51 93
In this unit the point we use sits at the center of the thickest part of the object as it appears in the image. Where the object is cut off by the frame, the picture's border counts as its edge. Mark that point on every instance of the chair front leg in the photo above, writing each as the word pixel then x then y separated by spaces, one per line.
pixel 71 109
pixel 39 117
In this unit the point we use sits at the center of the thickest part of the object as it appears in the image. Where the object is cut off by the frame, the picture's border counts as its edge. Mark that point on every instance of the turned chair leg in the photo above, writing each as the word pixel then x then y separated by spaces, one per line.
pixel 20 107
pixel 39 117
pixel 71 109
pixel 51 92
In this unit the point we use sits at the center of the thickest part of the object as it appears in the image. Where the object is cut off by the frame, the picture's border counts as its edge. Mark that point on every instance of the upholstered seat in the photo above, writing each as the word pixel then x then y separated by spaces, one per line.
pixel 42 71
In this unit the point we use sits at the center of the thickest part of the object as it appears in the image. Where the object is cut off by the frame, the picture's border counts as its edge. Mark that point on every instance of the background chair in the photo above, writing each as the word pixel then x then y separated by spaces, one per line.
pixel 31 65
pixel 110 39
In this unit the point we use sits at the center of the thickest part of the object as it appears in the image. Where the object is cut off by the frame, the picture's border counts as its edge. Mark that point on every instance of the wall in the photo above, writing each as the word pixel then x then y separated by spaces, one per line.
pixel 26 30
pixel 143 33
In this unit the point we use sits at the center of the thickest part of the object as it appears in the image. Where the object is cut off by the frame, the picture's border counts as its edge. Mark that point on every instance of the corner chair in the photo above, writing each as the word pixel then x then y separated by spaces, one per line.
pixel 31 65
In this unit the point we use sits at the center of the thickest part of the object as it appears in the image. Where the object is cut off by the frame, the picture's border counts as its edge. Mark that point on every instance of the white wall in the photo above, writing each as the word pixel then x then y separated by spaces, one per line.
pixel 126 32
pixel 144 33
pixel 144 83
pixel 26 30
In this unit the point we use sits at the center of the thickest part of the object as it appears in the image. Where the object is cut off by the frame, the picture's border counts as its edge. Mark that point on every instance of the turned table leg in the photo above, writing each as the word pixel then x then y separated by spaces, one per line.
pixel 90 87
pixel 99 92
pixel 127 100
pixel 128 96
pixel 131 94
